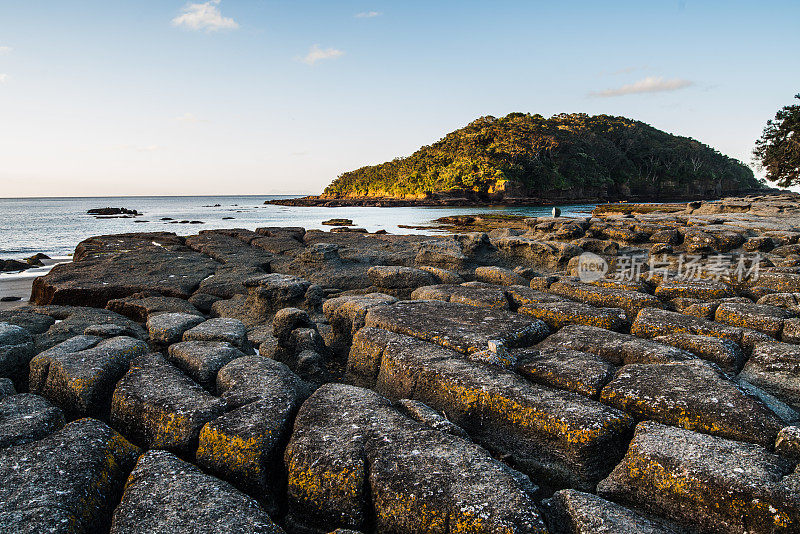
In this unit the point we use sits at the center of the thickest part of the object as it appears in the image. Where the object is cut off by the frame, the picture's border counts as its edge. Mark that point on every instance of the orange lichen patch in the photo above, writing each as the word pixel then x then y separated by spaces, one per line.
pixel 239 457
pixel 630 301
pixel 559 314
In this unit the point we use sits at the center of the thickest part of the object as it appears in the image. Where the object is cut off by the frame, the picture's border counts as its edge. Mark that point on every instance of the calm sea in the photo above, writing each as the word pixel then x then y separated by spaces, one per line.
pixel 55 225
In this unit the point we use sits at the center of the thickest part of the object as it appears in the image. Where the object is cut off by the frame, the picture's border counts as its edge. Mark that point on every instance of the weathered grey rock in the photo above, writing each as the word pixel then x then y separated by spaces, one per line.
pixel 67 482
pixel 421 412
pixel 79 374
pixel 244 445
pixel 228 330
pixel 202 360
pixel 472 294
pixel 723 352
pixel 203 301
pixel 614 347
pixel 447 254
pixel 579 372
pixel 156 405
pixel 500 276
pixel 165 494
pixel 457 326
pixel 168 328
pixel 694 396
pixel 25 418
pixel 125 266
pixel 397 277
pixel 791 330
pixel 775 367
pixel 787 414
pixel 760 317
pixel 269 293
pixel 353 456
pixel 706 482
pixel 140 306
pixel 788 443
pixel 557 437
pixel 778 281
pixel 575 512
pixel 16 350
pixel 346 315
pixel 109 330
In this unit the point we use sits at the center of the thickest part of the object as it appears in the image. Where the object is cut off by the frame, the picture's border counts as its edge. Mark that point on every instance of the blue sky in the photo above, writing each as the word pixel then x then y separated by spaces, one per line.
pixel 258 97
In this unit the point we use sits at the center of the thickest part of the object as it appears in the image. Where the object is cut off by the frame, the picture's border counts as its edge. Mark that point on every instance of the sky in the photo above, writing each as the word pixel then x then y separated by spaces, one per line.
pixel 165 97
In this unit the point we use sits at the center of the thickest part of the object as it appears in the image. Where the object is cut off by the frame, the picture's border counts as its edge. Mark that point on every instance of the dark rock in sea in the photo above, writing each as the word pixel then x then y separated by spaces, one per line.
pixel 228 218
pixel 112 211
pixel 338 222
pixel 10 299
pixel 167 494
pixel 13 265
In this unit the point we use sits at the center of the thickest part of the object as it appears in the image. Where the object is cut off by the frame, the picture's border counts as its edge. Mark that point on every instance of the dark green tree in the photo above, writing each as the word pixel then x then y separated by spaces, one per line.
pixel 778 149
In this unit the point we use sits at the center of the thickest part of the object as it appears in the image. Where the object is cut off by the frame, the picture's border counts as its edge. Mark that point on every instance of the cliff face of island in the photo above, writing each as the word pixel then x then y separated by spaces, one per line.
pixel 528 159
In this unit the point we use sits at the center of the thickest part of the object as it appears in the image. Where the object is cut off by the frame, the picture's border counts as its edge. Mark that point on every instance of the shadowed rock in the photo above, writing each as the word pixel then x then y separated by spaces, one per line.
pixel 25 418
pixel 244 445
pixel 16 350
pixel 354 457
pixel 79 374
pixel 141 305
pixel 553 255
pixel 165 494
pixel 575 512
pixel 707 482
pixel 158 406
pixel 556 436
pixel 653 323
pixel 614 347
pixel 228 330
pixel 202 360
pixel 694 396
pixel 460 327
pixel 67 482
pixel 397 277
pixel 168 328
pixel 73 321
pixel 775 367
pixel 29 318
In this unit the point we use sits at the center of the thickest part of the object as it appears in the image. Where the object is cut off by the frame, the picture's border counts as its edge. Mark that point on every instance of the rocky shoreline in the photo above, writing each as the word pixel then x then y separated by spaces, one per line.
pixel 470 199
pixel 635 370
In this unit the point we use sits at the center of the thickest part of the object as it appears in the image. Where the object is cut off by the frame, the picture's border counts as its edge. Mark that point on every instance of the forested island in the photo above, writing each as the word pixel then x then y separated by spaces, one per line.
pixel 529 159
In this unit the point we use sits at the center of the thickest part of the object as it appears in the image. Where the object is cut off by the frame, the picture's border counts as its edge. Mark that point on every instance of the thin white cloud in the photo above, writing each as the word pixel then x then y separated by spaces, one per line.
pixel 189 118
pixel 368 14
pixel 315 53
pixel 4 50
pixel 205 16
pixel 651 84
pixel 3 78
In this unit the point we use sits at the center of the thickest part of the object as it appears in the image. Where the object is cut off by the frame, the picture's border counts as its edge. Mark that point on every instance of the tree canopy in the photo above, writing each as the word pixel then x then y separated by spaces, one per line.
pixel 778 149
pixel 536 155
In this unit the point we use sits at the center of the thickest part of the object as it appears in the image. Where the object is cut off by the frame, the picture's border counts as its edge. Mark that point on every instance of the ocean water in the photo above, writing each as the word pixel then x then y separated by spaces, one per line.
pixel 54 226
